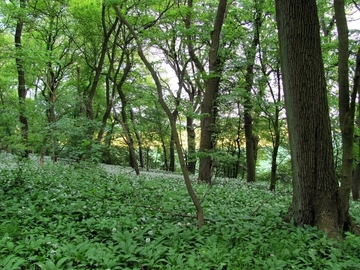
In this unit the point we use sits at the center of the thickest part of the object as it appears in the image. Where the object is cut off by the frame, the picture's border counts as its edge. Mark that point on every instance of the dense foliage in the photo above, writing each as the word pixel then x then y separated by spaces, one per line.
pixel 80 216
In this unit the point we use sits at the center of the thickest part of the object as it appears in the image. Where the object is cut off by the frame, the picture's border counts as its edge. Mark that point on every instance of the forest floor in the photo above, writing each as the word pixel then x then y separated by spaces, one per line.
pixel 86 216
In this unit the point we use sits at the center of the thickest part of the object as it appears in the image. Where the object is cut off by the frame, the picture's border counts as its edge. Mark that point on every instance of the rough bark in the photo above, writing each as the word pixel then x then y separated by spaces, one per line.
pixel 315 189
pixel 21 78
pixel 356 89
pixel 208 105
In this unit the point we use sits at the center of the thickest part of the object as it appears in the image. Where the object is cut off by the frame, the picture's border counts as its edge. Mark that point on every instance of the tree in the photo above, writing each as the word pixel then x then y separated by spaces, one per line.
pixel 21 73
pixel 346 106
pixel 315 189
pixel 356 177
pixel 155 77
pixel 250 138
pixel 55 58
pixel 208 105
pixel 172 43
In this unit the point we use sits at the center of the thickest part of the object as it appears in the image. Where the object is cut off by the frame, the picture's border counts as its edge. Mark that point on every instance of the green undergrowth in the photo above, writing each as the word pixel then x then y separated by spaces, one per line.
pixel 81 217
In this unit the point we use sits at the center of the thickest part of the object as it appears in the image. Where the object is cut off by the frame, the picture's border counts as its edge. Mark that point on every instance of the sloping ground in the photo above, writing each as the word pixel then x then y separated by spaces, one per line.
pixel 80 216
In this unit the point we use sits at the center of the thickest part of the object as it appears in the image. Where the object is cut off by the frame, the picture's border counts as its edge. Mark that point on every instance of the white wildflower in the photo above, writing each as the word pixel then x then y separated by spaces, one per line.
pixel 114 229
pixel 147 240
pixel 150 233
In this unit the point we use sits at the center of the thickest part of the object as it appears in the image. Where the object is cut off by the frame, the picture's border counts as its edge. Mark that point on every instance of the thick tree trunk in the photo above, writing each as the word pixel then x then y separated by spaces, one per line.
pixel 21 80
pixel 208 105
pixel 315 188
pixel 356 90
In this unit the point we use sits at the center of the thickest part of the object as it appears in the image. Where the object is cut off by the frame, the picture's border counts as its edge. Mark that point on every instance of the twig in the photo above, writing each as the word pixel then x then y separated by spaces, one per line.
pixel 257 208
pixel 207 191
pixel 261 205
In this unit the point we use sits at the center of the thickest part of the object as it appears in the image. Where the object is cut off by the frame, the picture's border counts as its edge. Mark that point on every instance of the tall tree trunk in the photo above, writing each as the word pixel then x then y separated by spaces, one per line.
pixel 208 105
pixel 315 189
pixel 21 78
pixel 356 87
pixel 276 136
pixel 248 106
pixel 276 145
pixel 346 107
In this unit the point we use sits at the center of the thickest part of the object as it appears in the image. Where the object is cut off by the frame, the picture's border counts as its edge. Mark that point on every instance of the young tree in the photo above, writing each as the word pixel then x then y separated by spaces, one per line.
pixel 155 77
pixel 315 189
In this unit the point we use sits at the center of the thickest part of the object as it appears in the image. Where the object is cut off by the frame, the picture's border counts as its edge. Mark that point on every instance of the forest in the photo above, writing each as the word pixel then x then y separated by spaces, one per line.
pixel 179 134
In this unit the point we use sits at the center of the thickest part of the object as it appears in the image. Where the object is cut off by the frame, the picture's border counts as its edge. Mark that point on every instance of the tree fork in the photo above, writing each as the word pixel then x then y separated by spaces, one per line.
pixel 191 192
